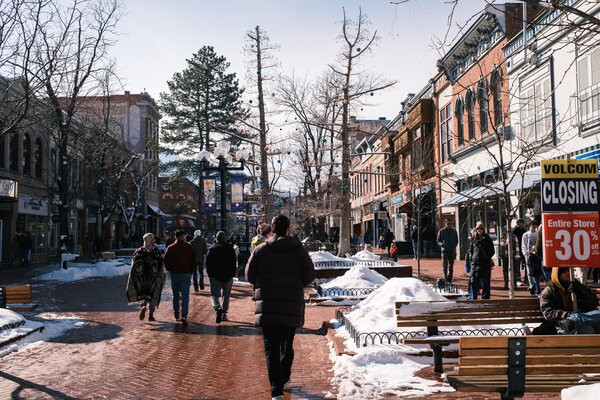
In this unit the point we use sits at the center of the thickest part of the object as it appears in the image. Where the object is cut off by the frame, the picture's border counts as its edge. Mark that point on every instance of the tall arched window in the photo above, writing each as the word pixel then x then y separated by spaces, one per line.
pixel 482 95
pixel 470 103
pixel 38 159
pixel 13 156
pixel 496 91
pixel 26 160
pixel 459 109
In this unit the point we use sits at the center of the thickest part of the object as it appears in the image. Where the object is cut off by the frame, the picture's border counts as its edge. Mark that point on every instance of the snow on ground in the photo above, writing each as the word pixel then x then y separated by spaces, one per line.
pixel 583 392
pixel 365 255
pixel 54 326
pixel 359 276
pixel 377 312
pixel 321 256
pixel 9 319
pixel 83 270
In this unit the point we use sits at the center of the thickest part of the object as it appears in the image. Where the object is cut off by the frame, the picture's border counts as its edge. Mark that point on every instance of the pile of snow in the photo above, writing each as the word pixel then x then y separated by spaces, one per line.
pixel 81 270
pixel 321 256
pixel 365 255
pixel 381 371
pixel 376 313
pixel 581 392
pixel 359 276
pixel 10 319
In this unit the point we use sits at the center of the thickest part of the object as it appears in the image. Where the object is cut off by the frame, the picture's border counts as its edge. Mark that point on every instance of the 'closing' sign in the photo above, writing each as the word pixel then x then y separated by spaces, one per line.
pixel 569 185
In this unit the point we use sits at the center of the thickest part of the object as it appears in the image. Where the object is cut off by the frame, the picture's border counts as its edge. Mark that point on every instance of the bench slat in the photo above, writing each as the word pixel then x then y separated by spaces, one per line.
pixel 530 351
pixel 559 341
pixel 531 360
pixel 472 315
pixel 491 321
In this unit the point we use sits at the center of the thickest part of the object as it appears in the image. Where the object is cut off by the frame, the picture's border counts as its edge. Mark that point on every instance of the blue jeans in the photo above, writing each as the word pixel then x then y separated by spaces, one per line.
pixel 415 251
pixel 474 284
pixel 279 352
pixel 547 274
pixel 198 273
pixel 534 282
pixel 586 323
pixel 180 283
pixel 216 288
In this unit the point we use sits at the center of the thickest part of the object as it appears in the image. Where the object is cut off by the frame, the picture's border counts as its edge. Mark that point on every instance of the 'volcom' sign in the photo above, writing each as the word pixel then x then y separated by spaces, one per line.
pixel 569 185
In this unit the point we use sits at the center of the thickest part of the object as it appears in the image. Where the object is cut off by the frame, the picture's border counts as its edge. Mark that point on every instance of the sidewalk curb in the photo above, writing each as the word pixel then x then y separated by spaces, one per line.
pixel 17 338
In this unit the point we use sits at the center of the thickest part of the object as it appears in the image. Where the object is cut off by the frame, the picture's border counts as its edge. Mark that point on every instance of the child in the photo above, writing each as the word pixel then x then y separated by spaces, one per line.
pixel 381 242
pixel 394 251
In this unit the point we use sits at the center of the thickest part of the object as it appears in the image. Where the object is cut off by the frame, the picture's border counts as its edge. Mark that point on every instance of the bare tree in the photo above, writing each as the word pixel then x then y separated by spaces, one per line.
pixel 356 42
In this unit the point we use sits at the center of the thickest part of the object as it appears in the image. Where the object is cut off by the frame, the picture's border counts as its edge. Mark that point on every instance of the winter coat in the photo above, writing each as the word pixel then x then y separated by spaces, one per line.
pixel 256 241
pixel 518 232
pixel 527 241
pixel 427 234
pixel 555 300
pixel 200 246
pixel 180 258
pixel 279 269
pixel 481 251
pixel 389 238
pixel 221 262
pixel 447 239
pixel 147 276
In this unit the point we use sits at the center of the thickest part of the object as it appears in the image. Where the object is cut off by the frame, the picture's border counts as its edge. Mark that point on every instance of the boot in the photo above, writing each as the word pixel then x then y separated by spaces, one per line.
pixel 143 312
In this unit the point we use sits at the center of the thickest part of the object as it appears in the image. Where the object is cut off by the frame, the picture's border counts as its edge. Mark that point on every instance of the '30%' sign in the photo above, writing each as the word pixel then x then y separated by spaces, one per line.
pixel 571 240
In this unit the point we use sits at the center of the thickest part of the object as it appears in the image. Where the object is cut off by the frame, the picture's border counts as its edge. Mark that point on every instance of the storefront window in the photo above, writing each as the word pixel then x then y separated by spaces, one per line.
pixel 36 225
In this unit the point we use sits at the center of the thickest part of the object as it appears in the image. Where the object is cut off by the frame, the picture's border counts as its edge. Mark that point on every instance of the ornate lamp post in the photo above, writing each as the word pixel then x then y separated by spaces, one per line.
pixel 225 160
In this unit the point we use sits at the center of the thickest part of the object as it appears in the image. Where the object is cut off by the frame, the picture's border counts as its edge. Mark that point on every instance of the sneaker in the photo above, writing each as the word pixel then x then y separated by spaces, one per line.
pixel 277 398
pixel 176 317
pixel 522 283
pixel 566 325
pixel 151 317
pixel 219 316
pixel 201 286
pixel 224 316
pixel 527 330
pixel 143 312
pixel 287 384
pixel 184 319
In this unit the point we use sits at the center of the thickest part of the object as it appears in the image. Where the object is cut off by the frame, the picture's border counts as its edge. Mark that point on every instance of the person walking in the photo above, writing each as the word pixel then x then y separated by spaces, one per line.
pixel 414 237
pixel 200 246
pixel 447 239
pixel 263 231
pixel 527 245
pixel 389 239
pixel 27 245
pixel 147 277
pixel 221 266
pixel 427 235
pixel 504 257
pixel 279 269
pixel 518 231
pixel 481 251
pixel 180 261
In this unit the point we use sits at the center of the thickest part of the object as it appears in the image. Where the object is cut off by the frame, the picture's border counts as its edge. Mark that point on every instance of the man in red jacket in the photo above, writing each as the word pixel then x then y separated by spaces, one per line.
pixel 180 261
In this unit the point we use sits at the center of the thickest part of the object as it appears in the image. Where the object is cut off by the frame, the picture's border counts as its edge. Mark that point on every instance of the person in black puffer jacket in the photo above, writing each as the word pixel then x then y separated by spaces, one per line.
pixel 481 251
pixel 221 264
pixel 279 269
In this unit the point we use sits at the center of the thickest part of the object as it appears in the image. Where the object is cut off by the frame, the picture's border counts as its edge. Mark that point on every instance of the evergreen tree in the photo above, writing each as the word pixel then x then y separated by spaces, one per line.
pixel 203 100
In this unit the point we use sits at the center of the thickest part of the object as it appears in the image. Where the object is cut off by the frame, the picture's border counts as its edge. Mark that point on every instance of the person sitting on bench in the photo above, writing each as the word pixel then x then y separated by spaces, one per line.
pixel 556 305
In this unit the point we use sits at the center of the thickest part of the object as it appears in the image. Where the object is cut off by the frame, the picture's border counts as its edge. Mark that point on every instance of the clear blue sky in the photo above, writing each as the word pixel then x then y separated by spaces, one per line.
pixel 158 36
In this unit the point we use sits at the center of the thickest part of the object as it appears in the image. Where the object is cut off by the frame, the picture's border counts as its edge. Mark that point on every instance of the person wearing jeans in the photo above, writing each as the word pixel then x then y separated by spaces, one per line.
pixel 527 243
pixel 481 250
pixel 279 269
pixel 180 261
pixel 221 265
pixel 556 305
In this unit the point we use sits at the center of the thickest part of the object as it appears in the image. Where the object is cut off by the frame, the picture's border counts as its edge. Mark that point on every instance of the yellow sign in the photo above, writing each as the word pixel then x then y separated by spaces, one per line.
pixel 570 169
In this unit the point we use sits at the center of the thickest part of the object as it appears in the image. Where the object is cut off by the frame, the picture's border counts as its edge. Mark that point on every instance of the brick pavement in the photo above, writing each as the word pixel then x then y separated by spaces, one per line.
pixel 115 356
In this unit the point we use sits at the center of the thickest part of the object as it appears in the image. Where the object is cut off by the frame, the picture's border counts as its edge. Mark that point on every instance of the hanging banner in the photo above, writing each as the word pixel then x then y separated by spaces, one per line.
pixel 237 193
pixel 210 199
pixel 571 240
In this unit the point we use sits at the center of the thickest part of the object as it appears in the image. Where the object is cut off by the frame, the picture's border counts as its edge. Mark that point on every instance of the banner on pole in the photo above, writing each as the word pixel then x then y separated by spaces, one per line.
pixel 237 193
pixel 571 240
pixel 210 198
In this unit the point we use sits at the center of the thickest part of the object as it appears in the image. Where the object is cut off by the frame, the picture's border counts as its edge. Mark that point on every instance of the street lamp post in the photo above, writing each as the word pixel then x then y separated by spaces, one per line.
pixel 221 153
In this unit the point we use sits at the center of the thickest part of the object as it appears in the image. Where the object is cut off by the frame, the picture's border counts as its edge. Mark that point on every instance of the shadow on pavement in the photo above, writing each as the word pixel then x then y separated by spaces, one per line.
pixel 25 384
pixel 297 391
pixel 202 329
pixel 88 332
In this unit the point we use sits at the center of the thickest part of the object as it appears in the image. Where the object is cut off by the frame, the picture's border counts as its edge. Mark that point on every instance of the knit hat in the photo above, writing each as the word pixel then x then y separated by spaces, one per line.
pixel 265 229
pixel 197 232
pixel 221 237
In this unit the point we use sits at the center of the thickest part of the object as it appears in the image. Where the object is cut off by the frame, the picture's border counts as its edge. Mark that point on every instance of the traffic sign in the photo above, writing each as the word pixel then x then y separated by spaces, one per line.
pixel 571 240
pixel 569 185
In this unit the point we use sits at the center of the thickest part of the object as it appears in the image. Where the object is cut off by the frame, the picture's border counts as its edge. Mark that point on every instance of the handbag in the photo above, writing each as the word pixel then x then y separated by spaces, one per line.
pixel 485 255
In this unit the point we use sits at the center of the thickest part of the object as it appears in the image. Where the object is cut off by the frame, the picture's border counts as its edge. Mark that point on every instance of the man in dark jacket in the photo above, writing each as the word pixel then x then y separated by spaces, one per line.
pixel 180 261
pixel 518 231
pixel 447 239
pixel 279 269
pixel 389 239
pixel 556 305
pixel 200 246
pixel 221 266
pixel 427 235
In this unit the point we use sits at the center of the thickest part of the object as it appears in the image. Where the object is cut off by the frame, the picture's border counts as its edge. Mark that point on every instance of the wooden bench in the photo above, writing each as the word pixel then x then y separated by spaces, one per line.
pixel 512 366
pixel 17 294
pixel 465 313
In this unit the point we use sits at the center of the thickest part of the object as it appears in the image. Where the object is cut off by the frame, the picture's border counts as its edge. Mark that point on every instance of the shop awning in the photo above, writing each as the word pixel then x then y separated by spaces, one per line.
pixel 156 211
pixel 517 182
